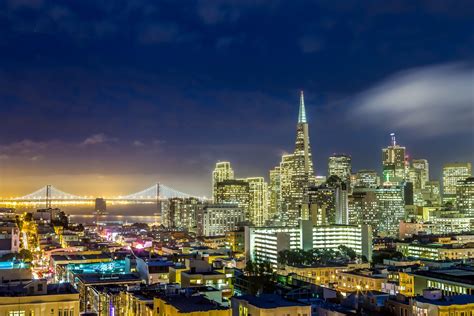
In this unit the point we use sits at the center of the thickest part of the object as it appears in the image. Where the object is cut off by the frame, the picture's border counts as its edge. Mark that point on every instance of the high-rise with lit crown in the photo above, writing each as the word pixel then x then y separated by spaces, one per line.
pixel 296 171
pixel 393 161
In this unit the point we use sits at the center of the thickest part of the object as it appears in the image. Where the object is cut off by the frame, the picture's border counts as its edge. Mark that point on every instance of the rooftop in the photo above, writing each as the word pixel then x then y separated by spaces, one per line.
pixel 75 257
pixel 448 300
pixel 109 278
pixel 268 301
pixel 22 290
pixel 458 275
pixel 188 304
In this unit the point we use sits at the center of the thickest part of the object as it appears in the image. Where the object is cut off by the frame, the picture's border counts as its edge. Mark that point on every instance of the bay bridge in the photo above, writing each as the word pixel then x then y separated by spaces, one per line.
pixel 49 194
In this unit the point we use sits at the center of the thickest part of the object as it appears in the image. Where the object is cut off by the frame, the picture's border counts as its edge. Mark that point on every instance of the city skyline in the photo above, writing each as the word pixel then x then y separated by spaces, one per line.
pixel 207 83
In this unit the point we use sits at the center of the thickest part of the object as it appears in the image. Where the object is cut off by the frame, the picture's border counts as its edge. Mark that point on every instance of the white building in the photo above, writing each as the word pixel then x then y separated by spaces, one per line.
pixel 264 243
pixel 217 219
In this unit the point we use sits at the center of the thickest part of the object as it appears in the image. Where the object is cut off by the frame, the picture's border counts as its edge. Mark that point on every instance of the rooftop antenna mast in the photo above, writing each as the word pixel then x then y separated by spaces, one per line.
pixel 394 140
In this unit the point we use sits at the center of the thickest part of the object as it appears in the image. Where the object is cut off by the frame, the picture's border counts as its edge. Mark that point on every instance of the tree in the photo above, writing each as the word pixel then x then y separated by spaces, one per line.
pixel 25 255
pixel 379 256
pixel 28 217
pixel 347 252
pixel 260 276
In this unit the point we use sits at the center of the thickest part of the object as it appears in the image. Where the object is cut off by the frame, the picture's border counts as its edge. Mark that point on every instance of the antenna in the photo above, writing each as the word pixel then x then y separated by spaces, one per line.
pixel 394 140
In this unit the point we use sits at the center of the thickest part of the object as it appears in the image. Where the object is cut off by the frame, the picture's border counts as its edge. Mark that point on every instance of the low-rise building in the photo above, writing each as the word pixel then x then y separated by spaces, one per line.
pixel 9 238
pixel 187 305
pixel 322 274
pixel 451 281
pixel 436 251
pixel 364 279
pixel 431 303
pixel 39 298
pixel 268 305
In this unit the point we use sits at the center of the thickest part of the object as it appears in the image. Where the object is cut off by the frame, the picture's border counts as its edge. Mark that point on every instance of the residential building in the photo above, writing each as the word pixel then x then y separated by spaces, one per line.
pixel 267 305
pixel 360 280
pixel 188 305
pixel 450 281
pixel 182 213
pixel 9 238
pixel 39 298
pixel 436 251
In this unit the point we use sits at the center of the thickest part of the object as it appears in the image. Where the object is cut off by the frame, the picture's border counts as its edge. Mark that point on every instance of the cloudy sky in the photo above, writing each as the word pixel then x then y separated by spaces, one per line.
pixel 108 97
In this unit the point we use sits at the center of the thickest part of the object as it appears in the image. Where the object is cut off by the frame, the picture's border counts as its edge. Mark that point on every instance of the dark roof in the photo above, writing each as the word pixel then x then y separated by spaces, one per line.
pixel 109 278
pixel 188 304
pixel 448 300
pixel 21 290
pixel 458 275
pixel 268 301
pixel 72 256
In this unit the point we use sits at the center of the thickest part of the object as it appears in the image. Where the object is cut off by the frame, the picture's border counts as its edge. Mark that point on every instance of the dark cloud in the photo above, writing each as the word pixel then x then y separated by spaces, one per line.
pixel 163 89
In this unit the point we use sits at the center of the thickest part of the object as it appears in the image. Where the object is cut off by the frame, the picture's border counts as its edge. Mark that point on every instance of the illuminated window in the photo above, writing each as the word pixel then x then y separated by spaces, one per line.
pixel 16 313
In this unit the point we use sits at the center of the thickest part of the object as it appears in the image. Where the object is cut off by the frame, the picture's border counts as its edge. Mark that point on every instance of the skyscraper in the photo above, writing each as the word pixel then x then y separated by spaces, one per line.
pixel 319 205
pixel 393 162
pixel 234 192
pixel 465 197
pixel 274 193
pixel 452 173
pixel 342 204
pixel 418 175
pixel 421 173
pixel 363 207
pixel 391 209
pixel 432 194
pixel 223 171
pixel 367 179
pixel 296 171
pixel 258 200
pixel 340 165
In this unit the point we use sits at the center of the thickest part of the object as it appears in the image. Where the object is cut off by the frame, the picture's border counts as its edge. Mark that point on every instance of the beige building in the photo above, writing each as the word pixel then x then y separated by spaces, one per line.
pixel 322 275
pixel 366 280
pixel 39 298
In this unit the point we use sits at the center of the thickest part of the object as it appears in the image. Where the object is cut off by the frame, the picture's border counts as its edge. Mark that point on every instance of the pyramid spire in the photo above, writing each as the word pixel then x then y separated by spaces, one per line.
pixel 302 113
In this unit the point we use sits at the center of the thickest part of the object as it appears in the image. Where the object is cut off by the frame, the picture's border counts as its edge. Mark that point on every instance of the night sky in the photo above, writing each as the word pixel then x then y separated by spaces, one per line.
pixel 109 97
